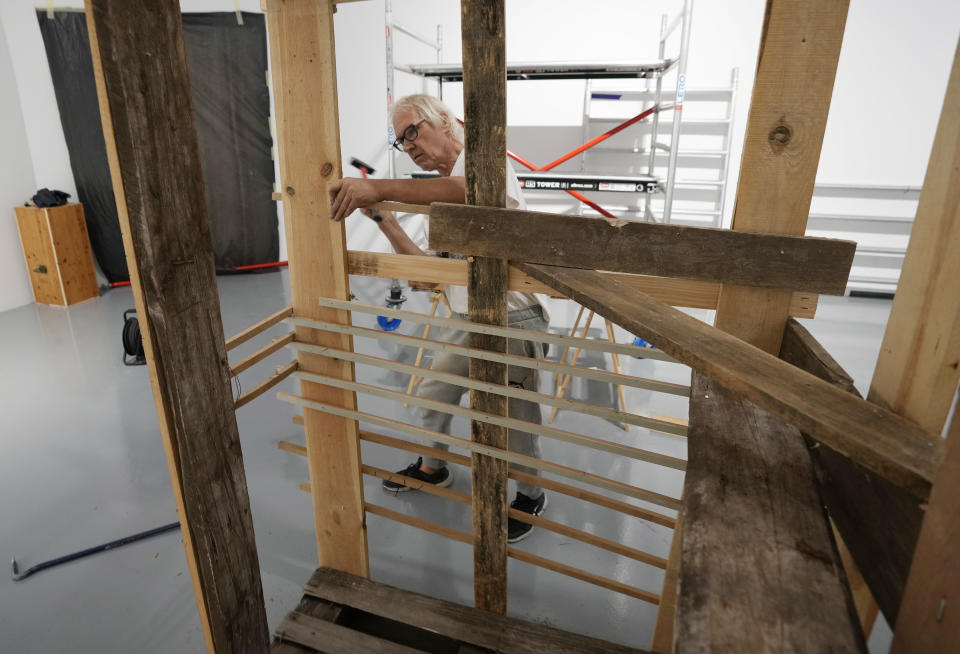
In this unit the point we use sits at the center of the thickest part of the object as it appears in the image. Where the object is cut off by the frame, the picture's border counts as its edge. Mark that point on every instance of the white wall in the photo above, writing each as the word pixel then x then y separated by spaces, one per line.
pixel 890 81
pixel 17 184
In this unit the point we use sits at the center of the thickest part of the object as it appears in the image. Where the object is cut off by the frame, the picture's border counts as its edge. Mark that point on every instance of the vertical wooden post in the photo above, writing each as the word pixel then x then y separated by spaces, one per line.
pixel 917 370
pixel 485 114
pixel 308 140
pixel 916 375
pixel 797 65
pixel 145 105
pixel 929 618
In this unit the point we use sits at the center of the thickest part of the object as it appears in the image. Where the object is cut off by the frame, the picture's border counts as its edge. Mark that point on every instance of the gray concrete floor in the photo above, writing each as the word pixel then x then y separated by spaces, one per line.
pixel 82 463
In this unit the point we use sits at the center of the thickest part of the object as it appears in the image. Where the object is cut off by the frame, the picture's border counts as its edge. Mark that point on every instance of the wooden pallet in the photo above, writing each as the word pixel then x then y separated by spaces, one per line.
pixel 341 612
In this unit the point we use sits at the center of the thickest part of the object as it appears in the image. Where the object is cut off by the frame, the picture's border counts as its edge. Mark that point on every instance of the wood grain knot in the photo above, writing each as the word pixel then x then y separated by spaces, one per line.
pixel 780 137
pixel 326 170
pixel 291 190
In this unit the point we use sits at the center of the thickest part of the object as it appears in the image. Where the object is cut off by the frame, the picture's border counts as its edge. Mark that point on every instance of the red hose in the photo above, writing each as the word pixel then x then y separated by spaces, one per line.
pixel 258 266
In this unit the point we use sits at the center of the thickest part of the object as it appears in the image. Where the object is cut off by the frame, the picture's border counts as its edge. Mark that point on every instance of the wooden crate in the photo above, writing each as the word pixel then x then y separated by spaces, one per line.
pixel 57 252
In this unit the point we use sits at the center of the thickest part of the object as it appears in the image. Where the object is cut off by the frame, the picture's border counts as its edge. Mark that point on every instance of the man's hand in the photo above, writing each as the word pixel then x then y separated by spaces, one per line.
pixel 349 194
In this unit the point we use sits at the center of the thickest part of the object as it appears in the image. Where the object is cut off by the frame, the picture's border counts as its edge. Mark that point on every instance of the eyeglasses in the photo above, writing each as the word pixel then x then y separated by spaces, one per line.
pixel 409 134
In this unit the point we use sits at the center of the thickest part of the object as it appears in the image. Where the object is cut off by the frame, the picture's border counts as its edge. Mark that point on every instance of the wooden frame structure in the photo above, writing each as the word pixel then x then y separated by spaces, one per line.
pixel 776 437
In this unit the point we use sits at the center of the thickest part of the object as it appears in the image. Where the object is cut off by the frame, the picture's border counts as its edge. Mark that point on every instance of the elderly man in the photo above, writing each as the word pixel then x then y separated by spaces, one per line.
pixel 431 136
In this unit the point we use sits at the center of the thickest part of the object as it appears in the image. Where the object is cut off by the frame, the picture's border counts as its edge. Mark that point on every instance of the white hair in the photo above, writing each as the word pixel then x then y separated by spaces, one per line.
pixel 432 110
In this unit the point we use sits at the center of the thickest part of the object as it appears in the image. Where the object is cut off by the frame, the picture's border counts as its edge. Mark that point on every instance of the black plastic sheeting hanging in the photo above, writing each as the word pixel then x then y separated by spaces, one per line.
pixel 227 63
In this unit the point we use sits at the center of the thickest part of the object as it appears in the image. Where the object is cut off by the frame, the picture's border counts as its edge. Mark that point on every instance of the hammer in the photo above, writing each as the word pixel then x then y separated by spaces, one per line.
pixel 366 169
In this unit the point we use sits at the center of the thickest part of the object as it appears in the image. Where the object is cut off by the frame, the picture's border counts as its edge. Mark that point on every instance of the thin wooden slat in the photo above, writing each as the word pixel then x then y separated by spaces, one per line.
pixel 401 207
pixel 676 292
pixel 259 327
pixel 140 71
pixel 501 421
pixel 506 455
pixel 796 67
pixel 919 363
pixel 759 570
pixel 461 623
pixel 537 521
pixel 816 265
pixel 878 521
pixel 582 575
pixel 929 620
pixel 281 373
pixel 543 482
pixel 664 426
pixel 506 332
pixel 879 440
pixel 509 359
pixel 331 638
pixel 304 76
pixel 278 344
pixel 662 642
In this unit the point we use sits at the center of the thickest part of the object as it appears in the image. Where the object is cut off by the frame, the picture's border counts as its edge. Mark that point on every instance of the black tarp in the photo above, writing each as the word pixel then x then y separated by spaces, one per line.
pixel 227 63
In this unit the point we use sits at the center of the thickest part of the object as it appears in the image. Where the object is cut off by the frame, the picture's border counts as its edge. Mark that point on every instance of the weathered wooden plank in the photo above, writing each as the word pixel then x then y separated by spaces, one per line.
pixel 797 64
pixel 676 292
pixel 331 638
pixel 879 522
pixel 759 571
pixel 817 265
pixel 303 66
pixel 313 607
pixel 461 623
pixel 891 446
pixel 919 363
pixel 929 619
pixel 141 74
pixel 485 131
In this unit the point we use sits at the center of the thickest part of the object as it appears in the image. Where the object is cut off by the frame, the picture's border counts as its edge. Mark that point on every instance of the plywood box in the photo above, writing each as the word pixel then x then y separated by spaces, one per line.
pixel 57 252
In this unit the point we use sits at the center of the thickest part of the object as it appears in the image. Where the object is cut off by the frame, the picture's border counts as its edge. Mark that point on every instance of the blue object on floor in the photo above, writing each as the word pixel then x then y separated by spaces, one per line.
pixel 639 342
pixel 388 324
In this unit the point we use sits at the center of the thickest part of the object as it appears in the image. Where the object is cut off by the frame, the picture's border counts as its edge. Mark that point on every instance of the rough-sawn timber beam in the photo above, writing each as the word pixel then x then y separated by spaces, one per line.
pixel 879 521
pixel 889 445
pixel 759 571
pixel 675 292
pixel 796 68
pixel 482 26
pixel 817 265
pixel 144 94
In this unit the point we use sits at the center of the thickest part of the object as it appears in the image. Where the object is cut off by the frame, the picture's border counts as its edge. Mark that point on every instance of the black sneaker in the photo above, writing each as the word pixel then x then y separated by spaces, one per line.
pixel 516 530
pixel 441 478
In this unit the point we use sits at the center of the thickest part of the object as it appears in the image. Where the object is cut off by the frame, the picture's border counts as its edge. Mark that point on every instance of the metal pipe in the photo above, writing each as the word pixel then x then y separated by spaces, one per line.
pixel 678 106
pixel 728 145
pixel 576 194
pixel 388 34
pixel 666 31
pixel 655 128
pixel 418 37
pixel 603 137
